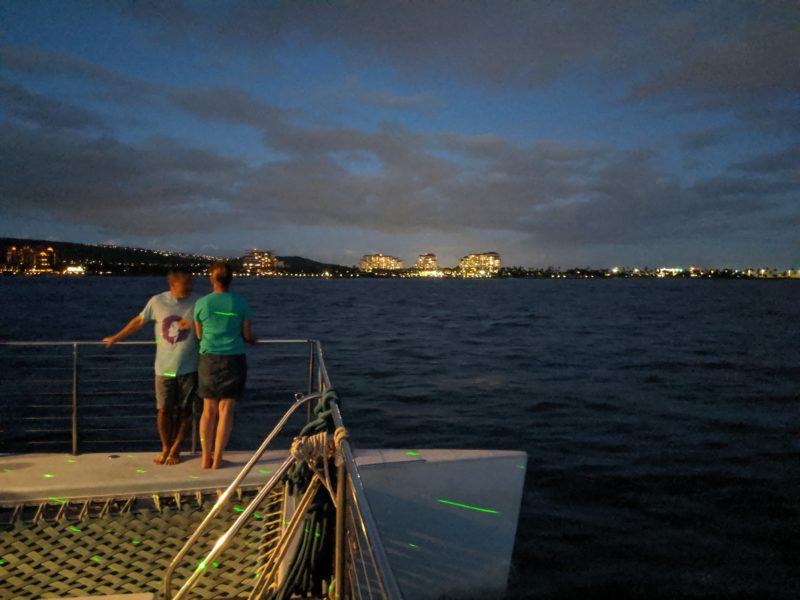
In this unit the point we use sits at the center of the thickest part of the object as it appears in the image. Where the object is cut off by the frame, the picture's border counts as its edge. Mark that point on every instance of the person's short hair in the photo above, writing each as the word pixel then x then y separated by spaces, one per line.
pixel 178 272
pixel 222 273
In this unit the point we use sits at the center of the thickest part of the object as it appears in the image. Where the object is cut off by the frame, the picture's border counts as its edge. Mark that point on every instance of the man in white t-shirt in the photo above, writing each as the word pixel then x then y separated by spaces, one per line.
pixel 176 360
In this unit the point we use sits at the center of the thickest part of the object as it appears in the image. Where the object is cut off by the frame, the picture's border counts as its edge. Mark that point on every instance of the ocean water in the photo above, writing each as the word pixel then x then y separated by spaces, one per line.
pixel 661 418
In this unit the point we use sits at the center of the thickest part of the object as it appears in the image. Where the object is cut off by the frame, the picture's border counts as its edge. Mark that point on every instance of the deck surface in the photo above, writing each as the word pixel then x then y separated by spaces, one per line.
pixel 28 478
pixel 37 477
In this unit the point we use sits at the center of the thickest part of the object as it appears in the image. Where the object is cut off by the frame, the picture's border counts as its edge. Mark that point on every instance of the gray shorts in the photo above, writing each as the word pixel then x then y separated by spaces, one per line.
pixel 222 376
pixel 177 393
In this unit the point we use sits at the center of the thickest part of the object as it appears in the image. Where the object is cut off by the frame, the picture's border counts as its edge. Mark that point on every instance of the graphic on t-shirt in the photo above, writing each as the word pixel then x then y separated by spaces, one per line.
pixel 170 331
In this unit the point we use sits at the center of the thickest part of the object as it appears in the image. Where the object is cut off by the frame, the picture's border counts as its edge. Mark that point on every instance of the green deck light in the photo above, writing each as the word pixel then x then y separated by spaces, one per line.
pixel 96 559
pixel 141 471
pixel 73 528
pixel 48 475
pixel 412 453
pixel 467 506
pixel 238 509
pixel 2 562
pixel 413 545
pixel 170 374
pixel 264 471
pixel 201 565
pixel 256 516
pixel 136 542
pixel 71 460
pixel 6 470
pixel 224 314
pixel 59 500
pixel 215 565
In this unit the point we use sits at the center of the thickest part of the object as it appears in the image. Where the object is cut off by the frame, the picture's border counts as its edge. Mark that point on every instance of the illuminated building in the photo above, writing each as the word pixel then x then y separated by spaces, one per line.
pixel 485 264
pixel 380 262
pixel 74 270
pixel 427 266
pixel 27 259
pixel 260 263
pixel 426 262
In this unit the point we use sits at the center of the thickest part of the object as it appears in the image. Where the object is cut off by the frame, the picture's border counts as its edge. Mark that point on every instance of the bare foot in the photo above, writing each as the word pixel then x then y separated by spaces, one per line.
pixel 161 458
pixel 218 464
pixel 173 459
pixel 207 463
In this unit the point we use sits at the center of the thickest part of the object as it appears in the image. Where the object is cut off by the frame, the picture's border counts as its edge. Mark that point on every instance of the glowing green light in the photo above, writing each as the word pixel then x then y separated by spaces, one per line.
pixel 96 559
pixel 2 562
pixel 264 471
pixel 215 565
pixel 317 534
pixel 170 374
pixel 194 477
pixel 330 587
pixel 48 475
pixel 6 470
pixel 59 500
pixel 256 516
pixel 467 506
pixel 413 546
pixel 201 565
pixel 71 460
pixel 136 542
pixel 73 528
pixel 224 314
pixel 412 453
pixel 141 471
pixel 238 509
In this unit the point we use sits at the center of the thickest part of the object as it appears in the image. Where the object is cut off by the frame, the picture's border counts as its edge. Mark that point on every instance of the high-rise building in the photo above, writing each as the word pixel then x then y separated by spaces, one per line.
pixel 485 264
pixel 380 262
pixel 427 266
pixel 31 260
pixel 260 263
pixel 426 262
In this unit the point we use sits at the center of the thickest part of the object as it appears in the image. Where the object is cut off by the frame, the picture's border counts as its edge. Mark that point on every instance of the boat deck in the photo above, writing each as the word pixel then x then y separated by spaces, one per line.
pixel 28 478
pixel 447 519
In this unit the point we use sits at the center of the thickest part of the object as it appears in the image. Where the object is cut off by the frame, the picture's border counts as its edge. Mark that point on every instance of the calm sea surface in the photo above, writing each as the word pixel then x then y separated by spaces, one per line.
pixel 661 418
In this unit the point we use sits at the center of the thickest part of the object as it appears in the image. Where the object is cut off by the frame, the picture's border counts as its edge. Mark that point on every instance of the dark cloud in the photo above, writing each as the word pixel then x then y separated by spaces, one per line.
pixel 738 47
pixel 20 104
pixel 554 193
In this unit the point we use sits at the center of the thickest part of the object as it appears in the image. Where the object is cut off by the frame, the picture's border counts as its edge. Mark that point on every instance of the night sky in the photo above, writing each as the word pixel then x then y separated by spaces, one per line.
pixel 565 134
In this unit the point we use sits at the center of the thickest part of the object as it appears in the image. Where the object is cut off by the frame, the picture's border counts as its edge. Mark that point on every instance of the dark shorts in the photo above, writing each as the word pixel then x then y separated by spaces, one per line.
pixel 222 376
pixel 177 393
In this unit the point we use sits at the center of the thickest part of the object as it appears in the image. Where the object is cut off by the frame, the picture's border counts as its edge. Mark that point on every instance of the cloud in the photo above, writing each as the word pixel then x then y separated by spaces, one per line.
pixel 40 63
pixel 739 47
pixel 21 105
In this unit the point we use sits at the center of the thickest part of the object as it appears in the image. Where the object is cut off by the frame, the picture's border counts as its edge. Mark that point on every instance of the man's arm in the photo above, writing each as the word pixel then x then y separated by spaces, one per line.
pixel 198 329
pixel 134 326
pixel 247 332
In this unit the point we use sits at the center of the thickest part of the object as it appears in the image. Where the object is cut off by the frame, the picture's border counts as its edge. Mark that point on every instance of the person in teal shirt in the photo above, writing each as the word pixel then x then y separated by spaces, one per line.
pixel 222 323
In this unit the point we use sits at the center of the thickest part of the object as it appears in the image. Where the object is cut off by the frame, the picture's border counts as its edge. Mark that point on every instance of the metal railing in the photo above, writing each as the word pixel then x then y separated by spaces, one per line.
pixel 77 376
pixel 361 568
